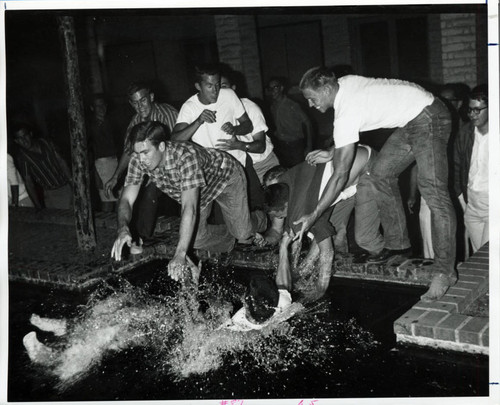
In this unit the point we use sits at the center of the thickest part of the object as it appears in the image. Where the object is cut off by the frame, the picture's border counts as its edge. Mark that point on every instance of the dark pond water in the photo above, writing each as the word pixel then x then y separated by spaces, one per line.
pixel 342 347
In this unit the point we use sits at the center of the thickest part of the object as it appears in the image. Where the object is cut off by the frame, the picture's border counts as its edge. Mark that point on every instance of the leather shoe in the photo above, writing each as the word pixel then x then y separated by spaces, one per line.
pixel 386 254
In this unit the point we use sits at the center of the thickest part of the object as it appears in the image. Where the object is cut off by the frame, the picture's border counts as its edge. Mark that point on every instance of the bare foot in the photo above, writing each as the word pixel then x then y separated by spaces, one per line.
pixel 439 285
pixel 56 326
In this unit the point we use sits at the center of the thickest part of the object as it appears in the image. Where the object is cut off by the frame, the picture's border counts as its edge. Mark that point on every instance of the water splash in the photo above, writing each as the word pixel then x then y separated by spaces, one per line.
pixel 180 329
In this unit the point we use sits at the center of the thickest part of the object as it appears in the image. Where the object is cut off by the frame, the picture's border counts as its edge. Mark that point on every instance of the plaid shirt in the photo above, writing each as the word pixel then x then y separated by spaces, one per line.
pixel 187 165
pixel 164 113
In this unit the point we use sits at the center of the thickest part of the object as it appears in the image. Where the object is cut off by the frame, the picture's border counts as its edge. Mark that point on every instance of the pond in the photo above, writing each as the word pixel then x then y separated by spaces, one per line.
pixel 134 339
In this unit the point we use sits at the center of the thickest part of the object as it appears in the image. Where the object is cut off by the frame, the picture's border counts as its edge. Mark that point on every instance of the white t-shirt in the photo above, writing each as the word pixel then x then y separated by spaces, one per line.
pixel 365 104
pixel 477 187
pixel 228 108
pixel 345 193
pixel 259 124
pixel 239 321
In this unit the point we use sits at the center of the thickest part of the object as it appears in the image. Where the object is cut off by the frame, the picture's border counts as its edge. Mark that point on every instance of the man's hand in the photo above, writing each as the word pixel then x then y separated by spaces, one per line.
pixel 229 144
pixel 286 239
pixel 228 128
pixel 307 221
pixel 110 185
pixel 124 236
pixel 319 156
pixel 207 116
pixel 177 266
pixel 412 200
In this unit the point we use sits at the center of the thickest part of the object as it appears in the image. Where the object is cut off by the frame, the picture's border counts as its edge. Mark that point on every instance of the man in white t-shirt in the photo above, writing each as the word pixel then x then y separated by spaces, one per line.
pixel 471 168
pixel 423 126
pixel 214 118
pixel 257 144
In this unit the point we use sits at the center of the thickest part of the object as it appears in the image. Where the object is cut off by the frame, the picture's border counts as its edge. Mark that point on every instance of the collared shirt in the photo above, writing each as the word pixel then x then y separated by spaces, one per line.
pixel 478 188
pixel 164 113
pixel 44 167
pixel 365 104
pixel 289 120
pixel 187 166
pixel 228 108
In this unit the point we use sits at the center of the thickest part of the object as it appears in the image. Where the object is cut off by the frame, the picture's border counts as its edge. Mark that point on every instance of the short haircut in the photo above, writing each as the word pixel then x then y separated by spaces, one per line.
pixel 205 69
pixel 460 90
pixel 273 174
pixel 262 298
pixel 276 197
pixel 152 131
pixel 480 93
pixel 317 77
pixel 20 126
pixel 137 86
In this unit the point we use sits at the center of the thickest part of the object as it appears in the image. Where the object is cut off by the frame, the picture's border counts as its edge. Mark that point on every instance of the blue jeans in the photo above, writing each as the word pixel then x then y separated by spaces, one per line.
pixel 233 202
pixel 424 140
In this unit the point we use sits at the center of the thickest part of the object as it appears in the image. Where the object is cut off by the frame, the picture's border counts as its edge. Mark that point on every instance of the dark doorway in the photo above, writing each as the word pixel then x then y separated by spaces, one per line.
pixel 289 50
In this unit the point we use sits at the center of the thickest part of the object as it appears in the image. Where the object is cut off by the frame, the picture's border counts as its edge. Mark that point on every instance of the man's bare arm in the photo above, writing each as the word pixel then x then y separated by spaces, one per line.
pixel 342 163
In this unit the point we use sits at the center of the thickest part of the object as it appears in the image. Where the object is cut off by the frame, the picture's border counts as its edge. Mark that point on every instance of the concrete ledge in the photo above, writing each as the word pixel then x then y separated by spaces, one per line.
pixel 442 344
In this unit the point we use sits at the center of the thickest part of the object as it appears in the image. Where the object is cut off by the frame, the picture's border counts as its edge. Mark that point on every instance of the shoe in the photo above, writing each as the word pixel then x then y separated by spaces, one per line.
pixel 386 254
pixel 361 258
pixel 136 249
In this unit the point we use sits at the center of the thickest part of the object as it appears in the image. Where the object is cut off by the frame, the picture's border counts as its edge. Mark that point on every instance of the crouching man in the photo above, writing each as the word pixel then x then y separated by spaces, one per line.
pixel 195 177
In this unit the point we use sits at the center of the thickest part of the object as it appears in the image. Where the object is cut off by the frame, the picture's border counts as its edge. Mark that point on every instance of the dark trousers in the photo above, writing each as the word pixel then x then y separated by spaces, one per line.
pixel 150 204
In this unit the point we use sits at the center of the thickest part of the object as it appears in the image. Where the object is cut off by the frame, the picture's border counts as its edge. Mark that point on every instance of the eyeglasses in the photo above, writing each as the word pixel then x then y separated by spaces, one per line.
pixel 476 111
pixel 275 87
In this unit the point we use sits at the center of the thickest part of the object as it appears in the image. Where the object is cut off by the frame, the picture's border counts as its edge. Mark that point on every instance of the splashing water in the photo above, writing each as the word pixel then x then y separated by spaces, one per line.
pixel 183 332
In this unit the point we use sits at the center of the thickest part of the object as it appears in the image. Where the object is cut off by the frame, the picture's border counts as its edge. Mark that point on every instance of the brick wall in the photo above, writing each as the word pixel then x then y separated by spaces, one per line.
pixel 238 48
pixel 458 45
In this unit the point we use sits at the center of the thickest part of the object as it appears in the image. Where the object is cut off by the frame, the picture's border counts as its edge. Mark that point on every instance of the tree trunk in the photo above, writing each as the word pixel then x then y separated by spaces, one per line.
pixel 81 185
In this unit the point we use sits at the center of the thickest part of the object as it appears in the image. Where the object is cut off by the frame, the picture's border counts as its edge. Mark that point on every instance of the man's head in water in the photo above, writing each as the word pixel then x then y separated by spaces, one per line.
pixel 261 299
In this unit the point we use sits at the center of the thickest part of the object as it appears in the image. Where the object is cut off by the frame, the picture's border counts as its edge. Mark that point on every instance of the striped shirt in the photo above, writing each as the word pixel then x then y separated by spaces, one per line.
pixel 187 165
pixel 44 167
pixel 164 113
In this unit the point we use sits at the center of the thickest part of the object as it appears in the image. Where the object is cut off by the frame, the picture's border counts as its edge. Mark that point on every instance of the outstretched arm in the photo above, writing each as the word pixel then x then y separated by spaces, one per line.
pixel 342 163
pixel 122 166
pixel 189 213
pixel 125 206
pixel 325 270
pixel 283 275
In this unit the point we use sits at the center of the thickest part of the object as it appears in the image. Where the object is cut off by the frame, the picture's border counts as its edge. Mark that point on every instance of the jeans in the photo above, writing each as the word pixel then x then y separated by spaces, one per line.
pixel 233 202
pixel 424 140
pixel 366 214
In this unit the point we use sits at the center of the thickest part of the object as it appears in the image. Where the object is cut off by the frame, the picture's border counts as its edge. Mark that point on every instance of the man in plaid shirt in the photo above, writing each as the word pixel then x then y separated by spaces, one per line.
pixel 193 176
pixel 151 203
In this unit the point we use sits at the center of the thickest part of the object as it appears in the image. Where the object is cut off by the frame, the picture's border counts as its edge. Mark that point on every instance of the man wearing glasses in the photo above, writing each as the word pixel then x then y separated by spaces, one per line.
pixel 471 168
pixel 423 126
